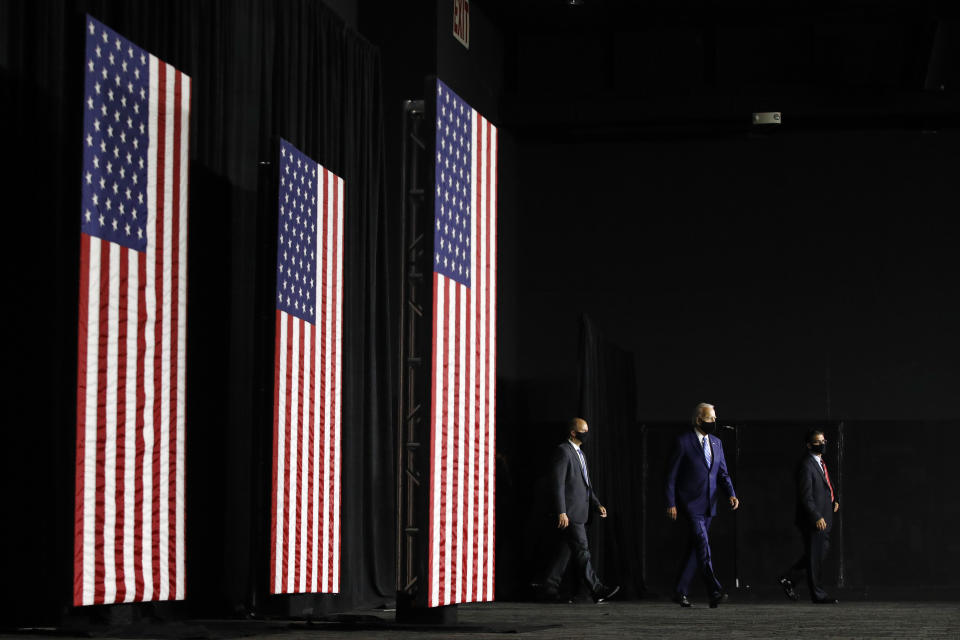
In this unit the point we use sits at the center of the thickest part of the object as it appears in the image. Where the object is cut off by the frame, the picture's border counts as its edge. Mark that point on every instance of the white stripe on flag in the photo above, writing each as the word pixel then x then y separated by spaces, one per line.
pixel 181 372
pixel 164 391
pixel 281 448
pixel 462 293
pixel 473 379
pixel 327 467
pixel 484 424
pixel 492 355
pixel 337 393
pixel 304 467
pixel 130 441
pixel 110 446
pixel 149 388
pixel 293 368
pixel 438 440
pixel 90 420
pixel 448 426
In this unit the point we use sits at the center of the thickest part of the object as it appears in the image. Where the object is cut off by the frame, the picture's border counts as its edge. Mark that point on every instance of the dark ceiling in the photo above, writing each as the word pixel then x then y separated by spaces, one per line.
pixel 630 62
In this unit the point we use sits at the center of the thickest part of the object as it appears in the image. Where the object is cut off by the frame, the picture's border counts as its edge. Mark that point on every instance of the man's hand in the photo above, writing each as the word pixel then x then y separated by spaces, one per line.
pixel 821 525
pixel 672 513
pixel 734 503
pixel 836 507
pixel 563 521
pixel 603 511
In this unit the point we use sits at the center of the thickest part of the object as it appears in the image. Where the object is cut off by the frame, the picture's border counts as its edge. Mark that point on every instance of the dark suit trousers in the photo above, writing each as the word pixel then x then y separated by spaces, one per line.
pixel 816 544
pixel 571 541
pixel 697 555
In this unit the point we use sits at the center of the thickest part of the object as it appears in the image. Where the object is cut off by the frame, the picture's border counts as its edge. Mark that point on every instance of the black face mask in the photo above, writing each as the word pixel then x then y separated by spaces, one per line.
pixel 708 427
pixel 582 437
pixel 818 448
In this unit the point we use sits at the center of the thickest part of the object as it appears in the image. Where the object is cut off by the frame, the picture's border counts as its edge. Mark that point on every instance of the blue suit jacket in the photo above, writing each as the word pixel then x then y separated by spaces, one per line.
pixel 691 486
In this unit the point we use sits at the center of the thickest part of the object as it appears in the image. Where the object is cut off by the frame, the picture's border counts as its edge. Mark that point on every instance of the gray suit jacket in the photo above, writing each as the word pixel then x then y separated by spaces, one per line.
pixel 569 492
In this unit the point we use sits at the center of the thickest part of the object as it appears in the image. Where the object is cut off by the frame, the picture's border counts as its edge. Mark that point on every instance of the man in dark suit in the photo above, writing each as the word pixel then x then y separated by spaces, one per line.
pixel 695 473
pixel 571 498
pixel 816 504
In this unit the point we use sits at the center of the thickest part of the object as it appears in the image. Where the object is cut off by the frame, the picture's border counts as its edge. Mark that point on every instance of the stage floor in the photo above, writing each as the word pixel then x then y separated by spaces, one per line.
pixel 653 619
pixel 667 620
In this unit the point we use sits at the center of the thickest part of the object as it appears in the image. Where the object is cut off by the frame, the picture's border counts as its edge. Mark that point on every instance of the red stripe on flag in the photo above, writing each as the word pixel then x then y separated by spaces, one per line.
pixel 479 432
pixel 488 419
pixel 455 424
pixel 445 471
pixel 83 326
pixel 119 540
pixel 311 460
pixel 434 443
pixel 158 327
pixel 338 372
pixel 491 356
pixel 276 434
pixel 482 365
pixel 285 575
pixel 467 553
pixel 181 560
pixel 101 422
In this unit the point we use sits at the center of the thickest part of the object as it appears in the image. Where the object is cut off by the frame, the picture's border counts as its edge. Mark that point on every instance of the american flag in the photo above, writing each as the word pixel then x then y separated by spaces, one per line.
pixel 463 389
pixel 129 510
pixel 305 521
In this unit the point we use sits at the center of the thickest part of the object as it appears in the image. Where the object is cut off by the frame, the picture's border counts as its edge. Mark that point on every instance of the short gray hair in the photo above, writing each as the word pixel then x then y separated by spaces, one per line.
pixel 698 409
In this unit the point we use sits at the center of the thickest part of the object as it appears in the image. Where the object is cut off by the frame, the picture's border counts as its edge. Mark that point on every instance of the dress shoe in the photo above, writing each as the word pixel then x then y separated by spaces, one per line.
pixel 682 600
pixel 548 596
pixel 716 598
pixel 827 600
pixel 788 588
pixel 545 594
pixel 603 593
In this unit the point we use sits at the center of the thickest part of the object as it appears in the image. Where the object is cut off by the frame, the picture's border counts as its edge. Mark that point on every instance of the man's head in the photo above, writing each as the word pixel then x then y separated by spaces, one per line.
pixel 576 430
pixel 705 417
pixel 816 442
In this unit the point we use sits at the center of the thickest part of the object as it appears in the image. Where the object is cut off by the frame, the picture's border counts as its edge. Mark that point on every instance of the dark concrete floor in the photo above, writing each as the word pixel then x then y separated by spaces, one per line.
pixel 652 619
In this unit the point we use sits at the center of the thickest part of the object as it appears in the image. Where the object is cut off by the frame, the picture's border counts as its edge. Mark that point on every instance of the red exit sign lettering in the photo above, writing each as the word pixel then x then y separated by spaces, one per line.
pixel 461 21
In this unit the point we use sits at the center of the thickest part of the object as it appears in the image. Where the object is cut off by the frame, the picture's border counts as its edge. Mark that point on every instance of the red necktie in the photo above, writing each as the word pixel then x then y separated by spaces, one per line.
pixel 827 476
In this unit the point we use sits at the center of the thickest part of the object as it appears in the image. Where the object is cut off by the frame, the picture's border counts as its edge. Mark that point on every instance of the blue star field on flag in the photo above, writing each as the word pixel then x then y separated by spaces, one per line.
pixel 451 235
pixel 115 138
pixel 297 234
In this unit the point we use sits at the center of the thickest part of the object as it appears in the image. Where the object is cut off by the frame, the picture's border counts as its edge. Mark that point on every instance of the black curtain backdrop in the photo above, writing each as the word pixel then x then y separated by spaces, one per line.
pixel 898 504
pixel 615 455
pixel 260 69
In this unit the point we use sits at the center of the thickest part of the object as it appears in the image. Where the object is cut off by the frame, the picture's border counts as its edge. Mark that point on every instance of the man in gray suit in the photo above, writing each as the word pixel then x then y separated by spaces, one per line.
pixel 572 499
pixel 816 504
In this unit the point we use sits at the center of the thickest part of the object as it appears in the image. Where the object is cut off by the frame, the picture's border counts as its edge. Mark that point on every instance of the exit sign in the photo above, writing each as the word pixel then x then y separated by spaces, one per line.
pixel 461 21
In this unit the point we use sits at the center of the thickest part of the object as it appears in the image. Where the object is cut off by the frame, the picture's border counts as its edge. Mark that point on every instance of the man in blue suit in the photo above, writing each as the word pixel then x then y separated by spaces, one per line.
pixel 695 473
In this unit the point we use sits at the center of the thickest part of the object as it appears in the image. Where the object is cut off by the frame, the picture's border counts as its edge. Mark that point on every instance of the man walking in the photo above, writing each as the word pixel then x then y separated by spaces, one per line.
pixel 695 473
pixel 572 499
pixel 816 504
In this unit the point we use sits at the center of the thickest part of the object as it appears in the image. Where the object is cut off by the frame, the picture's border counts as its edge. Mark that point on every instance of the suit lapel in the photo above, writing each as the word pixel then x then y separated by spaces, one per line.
pixel 695 440
pixel 819 470
pixel 576 464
